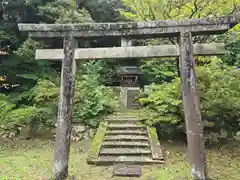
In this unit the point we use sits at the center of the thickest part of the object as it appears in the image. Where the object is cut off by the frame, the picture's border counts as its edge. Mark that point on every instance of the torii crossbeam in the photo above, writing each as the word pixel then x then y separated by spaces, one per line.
pixel 184 29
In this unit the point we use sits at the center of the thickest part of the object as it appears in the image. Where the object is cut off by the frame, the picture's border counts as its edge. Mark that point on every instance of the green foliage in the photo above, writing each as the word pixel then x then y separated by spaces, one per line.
pixel 60 11
pixel 35 98
pixel 104 10
pixel 92 98
pixel 181 9
pixel 219 88
pixel 45 91
pixel 158 71
pixel 164 103
pixel 232 41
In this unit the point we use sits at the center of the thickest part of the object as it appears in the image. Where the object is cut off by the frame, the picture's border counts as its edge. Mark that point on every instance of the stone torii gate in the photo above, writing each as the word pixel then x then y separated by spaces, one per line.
pixel 185 50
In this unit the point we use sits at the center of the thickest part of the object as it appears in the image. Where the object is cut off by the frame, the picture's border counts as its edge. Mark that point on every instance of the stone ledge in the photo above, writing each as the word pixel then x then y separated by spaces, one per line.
pixel 137 160
pixel 96 143
pixel 154 143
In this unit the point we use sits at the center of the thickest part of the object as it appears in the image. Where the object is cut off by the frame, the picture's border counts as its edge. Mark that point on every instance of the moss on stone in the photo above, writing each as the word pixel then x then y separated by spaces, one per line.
pixel 157 153
pixel 97 142
pixel 153 134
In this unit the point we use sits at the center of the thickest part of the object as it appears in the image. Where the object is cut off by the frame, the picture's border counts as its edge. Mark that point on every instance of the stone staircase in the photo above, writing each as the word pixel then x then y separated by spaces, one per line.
pixel 126 140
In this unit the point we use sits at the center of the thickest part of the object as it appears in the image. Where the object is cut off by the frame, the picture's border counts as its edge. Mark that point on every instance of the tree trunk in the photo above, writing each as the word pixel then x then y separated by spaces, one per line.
pixel 191 104
pixel 63 135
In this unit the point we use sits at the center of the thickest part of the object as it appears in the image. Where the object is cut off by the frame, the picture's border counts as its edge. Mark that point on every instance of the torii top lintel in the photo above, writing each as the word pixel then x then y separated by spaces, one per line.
pixel 133 29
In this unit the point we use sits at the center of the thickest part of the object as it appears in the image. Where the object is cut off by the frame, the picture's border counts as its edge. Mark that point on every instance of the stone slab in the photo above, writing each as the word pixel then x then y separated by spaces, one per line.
pixel 127 170
pixel 125 144
pixel 131 52
pixel 150 28
pixel 132 160
pixel 157 153
pixel 124 126
pixel 125 151
pixel 127 132
pixel 125 137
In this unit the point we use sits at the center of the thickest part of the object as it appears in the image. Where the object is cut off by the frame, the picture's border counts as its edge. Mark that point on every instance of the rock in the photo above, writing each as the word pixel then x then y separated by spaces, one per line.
pixel 79 128
pixel 77 137
pixel 78 132
pixel 238 134
pixel 11 135
pixel 237 138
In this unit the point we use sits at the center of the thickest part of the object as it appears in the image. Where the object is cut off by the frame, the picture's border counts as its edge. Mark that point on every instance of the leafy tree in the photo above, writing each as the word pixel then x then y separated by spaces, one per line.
pixel 159 71
pixel 182 9
pixel 34 100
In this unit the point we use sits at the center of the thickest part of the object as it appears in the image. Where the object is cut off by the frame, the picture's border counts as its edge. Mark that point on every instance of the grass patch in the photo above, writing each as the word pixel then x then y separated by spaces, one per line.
pixel 97 142
pixel 26 160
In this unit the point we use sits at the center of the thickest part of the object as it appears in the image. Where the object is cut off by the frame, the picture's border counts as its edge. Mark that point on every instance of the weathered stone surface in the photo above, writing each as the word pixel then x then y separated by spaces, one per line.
pixel 131 52
pixel 191 106
pixel 167 27
pixel 131 94
pixel 127 170
pixel 65 110
pixel 122 121
pixel 126 159
pixel 125 144
pixel 127 132
pixel 79 137
pixel 78 131
pixel 125 137
pixel 125 126
pixel 125 151
pixel 79 128
pixel 156 150
pixel 126 119
pixel 125 25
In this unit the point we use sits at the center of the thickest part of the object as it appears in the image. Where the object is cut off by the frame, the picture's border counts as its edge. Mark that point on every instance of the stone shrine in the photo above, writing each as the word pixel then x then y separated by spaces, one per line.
pixel 129 85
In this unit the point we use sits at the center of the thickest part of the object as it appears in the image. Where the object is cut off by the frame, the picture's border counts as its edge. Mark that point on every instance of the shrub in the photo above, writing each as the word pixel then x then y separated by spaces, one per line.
pixel 91 100
pixel 219 88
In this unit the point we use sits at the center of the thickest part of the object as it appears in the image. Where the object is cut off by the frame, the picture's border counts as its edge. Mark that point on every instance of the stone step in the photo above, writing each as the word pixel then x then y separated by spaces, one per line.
pixel 137 160
pixel 127 132
pixel 116 126
pixel 125 137
pixel 130 114
pixel 123 118
pixel 127 170
pixel 125 151
pixel 122 121
pixel 125 144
